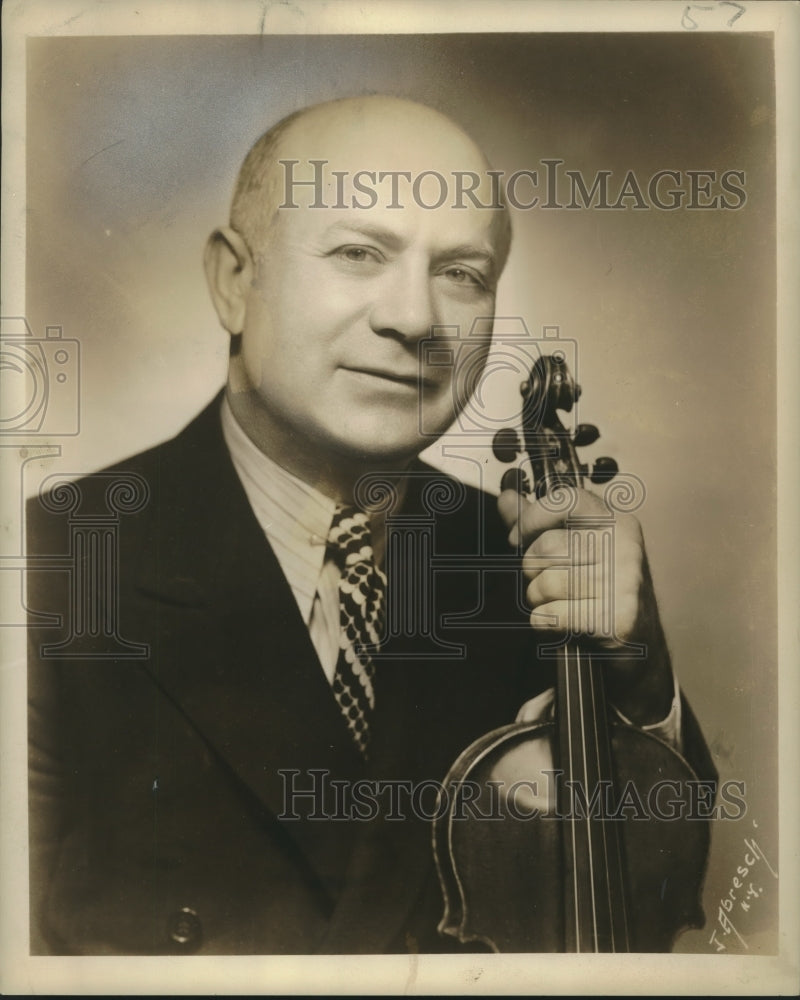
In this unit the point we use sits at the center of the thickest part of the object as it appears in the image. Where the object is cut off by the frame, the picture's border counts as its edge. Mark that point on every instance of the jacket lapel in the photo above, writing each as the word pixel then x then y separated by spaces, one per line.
pixel 233 652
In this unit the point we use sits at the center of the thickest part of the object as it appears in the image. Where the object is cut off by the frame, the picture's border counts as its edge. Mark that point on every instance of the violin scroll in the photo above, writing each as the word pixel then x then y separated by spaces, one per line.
pixel 545 441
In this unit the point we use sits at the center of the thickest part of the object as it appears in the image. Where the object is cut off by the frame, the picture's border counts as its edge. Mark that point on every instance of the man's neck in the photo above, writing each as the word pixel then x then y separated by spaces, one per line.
pixel 334 474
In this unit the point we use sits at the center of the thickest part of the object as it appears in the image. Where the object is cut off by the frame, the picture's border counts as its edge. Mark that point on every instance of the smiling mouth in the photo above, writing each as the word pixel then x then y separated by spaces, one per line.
pixel 411 381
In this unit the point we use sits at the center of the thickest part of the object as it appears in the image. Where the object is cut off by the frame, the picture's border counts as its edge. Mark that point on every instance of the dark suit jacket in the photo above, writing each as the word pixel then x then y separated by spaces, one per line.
pixel 160 821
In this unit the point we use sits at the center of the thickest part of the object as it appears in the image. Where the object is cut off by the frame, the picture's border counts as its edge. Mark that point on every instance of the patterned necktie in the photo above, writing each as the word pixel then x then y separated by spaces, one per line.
pixel 362 589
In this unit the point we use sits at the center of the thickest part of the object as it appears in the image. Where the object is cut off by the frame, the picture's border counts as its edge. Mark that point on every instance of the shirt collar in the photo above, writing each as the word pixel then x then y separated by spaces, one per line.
pixel 295 517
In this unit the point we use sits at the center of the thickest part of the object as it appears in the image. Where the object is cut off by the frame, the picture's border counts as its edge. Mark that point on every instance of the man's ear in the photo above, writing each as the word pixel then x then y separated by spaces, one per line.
pixel 229 272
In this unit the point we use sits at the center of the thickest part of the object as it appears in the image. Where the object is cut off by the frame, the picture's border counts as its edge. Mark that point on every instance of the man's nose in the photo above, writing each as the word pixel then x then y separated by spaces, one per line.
pixel 404 304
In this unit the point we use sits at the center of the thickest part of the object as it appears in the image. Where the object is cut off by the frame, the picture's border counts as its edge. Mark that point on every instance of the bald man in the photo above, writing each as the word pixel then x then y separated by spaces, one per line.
pixel 246 781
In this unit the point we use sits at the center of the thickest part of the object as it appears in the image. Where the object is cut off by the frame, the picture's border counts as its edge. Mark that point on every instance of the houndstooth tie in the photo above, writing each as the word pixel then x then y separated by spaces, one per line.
pixel 362 589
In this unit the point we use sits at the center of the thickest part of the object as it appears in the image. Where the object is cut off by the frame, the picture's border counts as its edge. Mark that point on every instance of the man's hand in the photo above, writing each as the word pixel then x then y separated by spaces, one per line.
pixel 640 687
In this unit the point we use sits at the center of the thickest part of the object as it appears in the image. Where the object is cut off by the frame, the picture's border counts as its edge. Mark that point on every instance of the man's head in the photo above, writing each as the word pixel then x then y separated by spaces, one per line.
pixel 355 230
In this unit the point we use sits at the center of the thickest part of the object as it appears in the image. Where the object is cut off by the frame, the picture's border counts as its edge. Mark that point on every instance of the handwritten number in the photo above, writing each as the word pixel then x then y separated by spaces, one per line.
pixel 692 25
pixel 689 23
pixel 739 10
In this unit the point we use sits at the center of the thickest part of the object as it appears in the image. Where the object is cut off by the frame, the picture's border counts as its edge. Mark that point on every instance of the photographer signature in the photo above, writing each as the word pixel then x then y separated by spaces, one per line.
pixel 745 889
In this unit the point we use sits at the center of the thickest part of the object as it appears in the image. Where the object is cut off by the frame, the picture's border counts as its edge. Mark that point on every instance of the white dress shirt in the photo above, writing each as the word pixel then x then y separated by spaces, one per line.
pixel 296 519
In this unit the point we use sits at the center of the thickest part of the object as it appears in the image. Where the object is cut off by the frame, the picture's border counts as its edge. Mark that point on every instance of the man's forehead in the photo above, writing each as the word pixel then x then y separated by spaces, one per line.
pixel 382 143
pixel 463 199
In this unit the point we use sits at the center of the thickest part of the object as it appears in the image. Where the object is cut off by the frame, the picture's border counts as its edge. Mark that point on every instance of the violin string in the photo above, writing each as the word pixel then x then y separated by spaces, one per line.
pixel 577 594
pixel 591 560
pixel 571 810
pixel 600 801
pixel 605 872
pixel 607 624
pixel 585 779
pixel 621 887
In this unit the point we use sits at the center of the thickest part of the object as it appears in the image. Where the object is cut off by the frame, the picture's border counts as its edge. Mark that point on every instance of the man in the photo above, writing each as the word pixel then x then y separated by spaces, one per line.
pixel 229 779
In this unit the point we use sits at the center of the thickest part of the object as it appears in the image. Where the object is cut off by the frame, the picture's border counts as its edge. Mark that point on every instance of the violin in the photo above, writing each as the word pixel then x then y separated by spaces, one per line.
pixel 577 833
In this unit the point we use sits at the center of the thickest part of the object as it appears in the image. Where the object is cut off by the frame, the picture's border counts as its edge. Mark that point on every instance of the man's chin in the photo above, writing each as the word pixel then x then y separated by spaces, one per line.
pixel 379 453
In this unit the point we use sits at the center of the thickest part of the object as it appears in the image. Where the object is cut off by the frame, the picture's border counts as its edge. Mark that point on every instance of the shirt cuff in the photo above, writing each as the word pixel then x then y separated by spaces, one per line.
pixel 539 709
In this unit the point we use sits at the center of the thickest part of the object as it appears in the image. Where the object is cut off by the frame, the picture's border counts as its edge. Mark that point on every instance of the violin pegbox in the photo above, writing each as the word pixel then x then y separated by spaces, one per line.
pixel 546 444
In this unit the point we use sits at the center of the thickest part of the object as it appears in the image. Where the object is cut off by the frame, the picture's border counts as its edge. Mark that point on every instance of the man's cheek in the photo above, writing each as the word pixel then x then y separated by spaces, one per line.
pixel 469 374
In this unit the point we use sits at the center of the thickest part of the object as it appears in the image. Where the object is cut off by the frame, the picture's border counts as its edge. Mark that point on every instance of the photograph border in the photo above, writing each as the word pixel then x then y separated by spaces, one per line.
pixel 473 974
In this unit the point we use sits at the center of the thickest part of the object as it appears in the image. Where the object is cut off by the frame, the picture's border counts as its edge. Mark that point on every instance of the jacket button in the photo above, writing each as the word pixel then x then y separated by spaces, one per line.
pixel 184 929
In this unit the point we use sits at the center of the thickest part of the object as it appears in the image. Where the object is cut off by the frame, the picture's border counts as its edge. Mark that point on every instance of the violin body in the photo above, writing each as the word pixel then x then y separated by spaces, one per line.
pixel 500 853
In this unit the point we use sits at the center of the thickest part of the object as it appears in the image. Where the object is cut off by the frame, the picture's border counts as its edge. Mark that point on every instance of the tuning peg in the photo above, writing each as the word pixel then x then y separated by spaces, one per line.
pixel 604 469
pixel 506 445
pixel 585 434
pixel 578 392
pixel 515 479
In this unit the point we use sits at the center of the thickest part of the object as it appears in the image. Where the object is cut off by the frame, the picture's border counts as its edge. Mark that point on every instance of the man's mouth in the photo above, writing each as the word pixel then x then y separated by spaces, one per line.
pixel 411 380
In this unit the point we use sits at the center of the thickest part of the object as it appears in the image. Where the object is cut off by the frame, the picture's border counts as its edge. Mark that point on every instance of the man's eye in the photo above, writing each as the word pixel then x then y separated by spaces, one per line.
pixel 461 276
pixel 356 254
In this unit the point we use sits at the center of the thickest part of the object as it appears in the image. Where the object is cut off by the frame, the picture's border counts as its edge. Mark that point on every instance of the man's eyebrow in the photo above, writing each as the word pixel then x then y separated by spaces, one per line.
pixel 467 251
pixel 370 230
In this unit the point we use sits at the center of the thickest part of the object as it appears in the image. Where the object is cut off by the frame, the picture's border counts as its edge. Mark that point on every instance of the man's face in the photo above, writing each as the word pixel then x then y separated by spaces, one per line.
pixel 340 301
